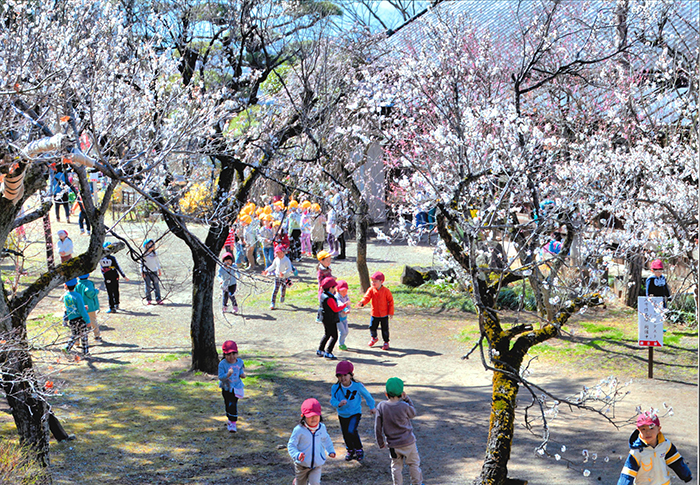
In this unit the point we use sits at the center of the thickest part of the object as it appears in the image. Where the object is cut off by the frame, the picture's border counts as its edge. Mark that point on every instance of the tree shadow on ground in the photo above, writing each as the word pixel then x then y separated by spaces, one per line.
pixel 172 430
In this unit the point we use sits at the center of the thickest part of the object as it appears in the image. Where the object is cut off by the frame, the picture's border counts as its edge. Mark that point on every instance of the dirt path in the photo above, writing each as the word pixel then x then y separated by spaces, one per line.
pixel 452 396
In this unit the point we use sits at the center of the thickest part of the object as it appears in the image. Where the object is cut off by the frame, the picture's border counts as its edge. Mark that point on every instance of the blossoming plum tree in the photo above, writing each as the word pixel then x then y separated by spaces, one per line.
pixel 525 139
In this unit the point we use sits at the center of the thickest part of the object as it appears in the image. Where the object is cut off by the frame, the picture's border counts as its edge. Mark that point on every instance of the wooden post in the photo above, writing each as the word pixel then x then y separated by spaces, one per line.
pixel 651 363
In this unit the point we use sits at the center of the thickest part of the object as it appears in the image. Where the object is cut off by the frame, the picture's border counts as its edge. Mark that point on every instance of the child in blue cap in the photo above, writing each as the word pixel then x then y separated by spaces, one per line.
pixel 77 317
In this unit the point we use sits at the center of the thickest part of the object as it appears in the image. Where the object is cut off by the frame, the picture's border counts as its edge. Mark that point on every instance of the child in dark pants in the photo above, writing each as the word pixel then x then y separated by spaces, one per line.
pixel 77 317
pixel 110 272
pixel 231 371
pixel 227 280
pixel 346 396
pixel 382 309
pixel 328 314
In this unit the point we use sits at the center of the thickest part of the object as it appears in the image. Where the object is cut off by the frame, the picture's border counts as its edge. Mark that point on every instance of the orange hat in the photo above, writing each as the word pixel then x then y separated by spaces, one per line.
pixel 246 219
pixel 316 207
pixel 293 204
pixel 305 204
pixel 267 209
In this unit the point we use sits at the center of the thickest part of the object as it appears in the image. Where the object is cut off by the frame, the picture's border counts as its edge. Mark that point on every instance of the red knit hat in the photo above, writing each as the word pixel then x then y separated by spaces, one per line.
pixel 342 285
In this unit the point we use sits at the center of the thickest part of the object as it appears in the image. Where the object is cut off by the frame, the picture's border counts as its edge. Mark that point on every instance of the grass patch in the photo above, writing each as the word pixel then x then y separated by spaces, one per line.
pixel 443 296
pixel 168 357
pixel 18 467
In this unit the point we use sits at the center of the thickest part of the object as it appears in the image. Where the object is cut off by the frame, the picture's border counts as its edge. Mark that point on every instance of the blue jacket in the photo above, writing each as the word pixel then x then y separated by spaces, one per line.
pixel 87 290
pixel 313 445
pixel 75 306
pixel 234 382
pixel 353 395
pixel 649 465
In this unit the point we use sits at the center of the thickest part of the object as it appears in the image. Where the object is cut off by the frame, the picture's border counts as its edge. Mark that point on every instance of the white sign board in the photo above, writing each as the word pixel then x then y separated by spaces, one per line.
pixel 651 321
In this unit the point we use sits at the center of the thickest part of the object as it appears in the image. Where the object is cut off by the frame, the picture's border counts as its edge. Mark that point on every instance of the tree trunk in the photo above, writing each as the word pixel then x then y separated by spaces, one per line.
pixel 495 468
pixel 202 331
pixel 361 227
pixel 29 411
pixel 635 263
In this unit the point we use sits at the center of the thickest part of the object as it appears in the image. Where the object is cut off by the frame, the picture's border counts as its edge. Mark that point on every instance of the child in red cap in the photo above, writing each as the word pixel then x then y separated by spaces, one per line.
pixel 231 371
pixel 382 309
pixel 309 444
pixel 651 455
pixel 341 296
pixel 656 284
pixel 346 397
pixel 328 311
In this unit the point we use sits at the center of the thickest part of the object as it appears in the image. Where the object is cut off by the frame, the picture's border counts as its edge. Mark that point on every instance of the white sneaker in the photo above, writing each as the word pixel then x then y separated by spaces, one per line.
pixel 231 426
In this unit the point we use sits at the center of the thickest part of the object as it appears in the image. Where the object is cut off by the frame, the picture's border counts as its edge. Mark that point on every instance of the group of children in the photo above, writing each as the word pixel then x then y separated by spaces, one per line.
pixel 334 306
pixel 81 301
pixel 650 459
pixel 300 226
pixel 310 444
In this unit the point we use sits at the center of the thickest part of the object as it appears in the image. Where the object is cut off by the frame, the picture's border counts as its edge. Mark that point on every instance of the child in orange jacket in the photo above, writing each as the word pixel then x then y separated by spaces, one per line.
pixel 382 309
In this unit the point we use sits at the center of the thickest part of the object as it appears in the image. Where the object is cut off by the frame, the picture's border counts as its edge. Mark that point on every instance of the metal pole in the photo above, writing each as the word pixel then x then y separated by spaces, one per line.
pixel 651 362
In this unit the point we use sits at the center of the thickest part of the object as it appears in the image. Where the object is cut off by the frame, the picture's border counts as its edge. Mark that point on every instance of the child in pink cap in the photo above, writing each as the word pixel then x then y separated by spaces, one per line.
pixel 309 445
pixel 651 455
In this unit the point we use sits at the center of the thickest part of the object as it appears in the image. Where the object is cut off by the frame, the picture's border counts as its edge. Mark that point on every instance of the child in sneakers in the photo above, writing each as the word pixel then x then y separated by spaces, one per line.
pixel 282 269
pixel 382 309
pixel 393 420
pixel 87 290
pixel 151 271
pixel 76 316
pixel 328 314
pixel 309 444
pixel 346 397
pixel 231 371
pixel 227 280
pixel 110 272
pixel 651 455
pixel 341 296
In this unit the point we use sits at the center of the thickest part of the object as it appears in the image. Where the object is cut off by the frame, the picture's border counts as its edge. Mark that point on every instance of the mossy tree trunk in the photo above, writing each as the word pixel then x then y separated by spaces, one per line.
pixel 507 348
pixel 20 383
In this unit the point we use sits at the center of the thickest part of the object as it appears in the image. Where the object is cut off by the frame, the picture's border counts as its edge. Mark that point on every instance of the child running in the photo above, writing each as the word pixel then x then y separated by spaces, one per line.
pixel 393 420
pixel 76 316
pixel 382 309
pixel 227 280
pixel 346 397
pixel 651 455
pixel 341 297
pixel 328 314
pixel 309 444
pixel 231 371
pixel 281 268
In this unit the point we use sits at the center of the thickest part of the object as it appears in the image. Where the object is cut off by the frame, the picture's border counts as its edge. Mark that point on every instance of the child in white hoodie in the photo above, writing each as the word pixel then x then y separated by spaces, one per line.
pixel 309 444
